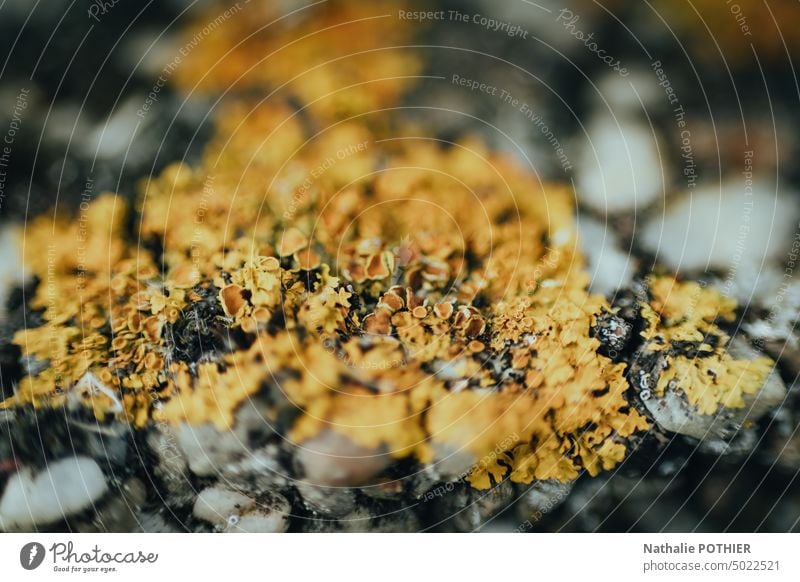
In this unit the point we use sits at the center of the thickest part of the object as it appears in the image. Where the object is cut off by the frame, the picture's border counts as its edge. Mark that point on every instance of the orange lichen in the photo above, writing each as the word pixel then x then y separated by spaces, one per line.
pixel 430 280
pixel 326 55
pixel 415 298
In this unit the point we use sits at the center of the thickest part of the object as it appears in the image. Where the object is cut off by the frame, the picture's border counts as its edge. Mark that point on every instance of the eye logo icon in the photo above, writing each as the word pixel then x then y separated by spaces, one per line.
pixel 31 555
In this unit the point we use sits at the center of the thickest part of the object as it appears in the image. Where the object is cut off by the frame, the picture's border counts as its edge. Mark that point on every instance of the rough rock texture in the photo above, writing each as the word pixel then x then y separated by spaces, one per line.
pixel 335 320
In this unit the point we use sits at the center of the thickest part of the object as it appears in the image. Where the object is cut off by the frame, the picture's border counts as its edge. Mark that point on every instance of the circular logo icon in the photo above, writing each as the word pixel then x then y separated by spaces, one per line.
pixel 31 555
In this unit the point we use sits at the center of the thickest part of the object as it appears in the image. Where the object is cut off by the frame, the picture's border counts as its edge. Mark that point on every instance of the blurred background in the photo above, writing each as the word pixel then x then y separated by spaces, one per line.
pixel 674 122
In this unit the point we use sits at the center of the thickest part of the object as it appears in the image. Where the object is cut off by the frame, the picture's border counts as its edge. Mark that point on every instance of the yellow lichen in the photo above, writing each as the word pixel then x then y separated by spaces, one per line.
pixel 682 323
pixel 452 263
pixel 327 55
pixel 416 297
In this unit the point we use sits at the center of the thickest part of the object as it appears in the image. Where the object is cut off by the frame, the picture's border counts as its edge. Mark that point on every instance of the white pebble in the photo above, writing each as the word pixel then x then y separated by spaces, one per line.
pixel 10 265
pixel 259 522
pixel 610 267
pixel 217 504
pixel 723 228
pixel 333 459
pixel 65 487
pixel 636 94
pixel 618 167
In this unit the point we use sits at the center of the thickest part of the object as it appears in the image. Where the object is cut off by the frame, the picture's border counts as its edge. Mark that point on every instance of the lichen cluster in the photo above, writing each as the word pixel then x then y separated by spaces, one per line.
pixel 337 58
pixel 683 324
pixel 415 296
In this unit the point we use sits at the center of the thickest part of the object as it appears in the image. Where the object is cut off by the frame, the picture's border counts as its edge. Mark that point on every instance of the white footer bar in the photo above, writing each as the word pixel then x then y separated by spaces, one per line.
pixel 400 557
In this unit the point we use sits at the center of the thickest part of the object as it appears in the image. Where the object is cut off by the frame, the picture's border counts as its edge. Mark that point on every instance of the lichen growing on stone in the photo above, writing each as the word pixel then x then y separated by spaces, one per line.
pixel 420 298
pixel 417 297
pixel 682 323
